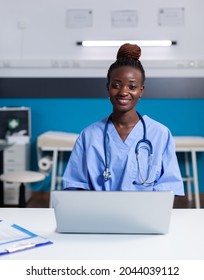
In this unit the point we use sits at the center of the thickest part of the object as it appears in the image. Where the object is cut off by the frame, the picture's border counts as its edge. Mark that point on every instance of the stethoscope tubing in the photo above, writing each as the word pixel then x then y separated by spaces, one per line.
pixel 107 174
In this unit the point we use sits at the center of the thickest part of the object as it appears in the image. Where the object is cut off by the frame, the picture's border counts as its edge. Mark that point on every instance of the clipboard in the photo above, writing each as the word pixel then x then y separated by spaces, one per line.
pixel 14 238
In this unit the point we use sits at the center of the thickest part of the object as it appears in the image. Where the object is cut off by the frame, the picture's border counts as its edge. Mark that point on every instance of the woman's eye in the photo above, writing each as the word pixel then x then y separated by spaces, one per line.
pixel 115 85
pixel 132 87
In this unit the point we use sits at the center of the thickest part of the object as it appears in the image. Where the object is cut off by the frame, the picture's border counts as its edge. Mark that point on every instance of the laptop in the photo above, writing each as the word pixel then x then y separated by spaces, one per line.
pixel 116 212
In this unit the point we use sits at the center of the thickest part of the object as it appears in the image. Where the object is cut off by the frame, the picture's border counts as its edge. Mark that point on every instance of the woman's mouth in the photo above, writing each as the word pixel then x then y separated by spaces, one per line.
pixel 122 101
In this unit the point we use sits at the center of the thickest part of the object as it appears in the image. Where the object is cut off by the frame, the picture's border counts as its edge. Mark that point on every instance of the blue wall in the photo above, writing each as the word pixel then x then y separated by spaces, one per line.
pixel 182 116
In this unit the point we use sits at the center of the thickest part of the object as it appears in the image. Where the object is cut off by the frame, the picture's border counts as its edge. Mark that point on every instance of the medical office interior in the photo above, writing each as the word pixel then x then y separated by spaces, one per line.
pixel 51 86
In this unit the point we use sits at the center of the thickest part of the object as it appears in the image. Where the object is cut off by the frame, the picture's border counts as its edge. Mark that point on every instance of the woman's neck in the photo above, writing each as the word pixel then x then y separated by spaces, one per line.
pixel 125 120
pixel 124 123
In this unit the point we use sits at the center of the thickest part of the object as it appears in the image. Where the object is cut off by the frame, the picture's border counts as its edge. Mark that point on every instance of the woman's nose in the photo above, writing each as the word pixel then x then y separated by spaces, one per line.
pixel 124 90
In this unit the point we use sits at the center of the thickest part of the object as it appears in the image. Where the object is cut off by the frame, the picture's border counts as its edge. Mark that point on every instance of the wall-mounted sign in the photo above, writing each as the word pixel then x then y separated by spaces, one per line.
pixel 171 16
pixel 79 18
pixel 124 18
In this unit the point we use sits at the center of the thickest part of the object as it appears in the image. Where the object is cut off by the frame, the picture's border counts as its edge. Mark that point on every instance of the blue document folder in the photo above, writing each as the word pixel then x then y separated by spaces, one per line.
pixel 14 238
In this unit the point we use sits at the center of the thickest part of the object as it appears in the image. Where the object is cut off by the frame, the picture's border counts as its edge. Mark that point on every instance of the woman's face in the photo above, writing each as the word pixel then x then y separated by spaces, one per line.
pixel 125 88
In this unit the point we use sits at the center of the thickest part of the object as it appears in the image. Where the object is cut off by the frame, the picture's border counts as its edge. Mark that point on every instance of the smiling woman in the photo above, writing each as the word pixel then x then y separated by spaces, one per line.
pixel 125 86
pixel 125 151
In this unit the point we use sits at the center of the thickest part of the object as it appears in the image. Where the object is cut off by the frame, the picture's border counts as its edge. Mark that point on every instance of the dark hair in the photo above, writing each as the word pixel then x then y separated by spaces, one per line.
pixel 128 55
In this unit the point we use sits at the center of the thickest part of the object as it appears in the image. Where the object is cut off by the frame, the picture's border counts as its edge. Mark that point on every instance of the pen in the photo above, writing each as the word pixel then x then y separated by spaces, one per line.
pixel 19 247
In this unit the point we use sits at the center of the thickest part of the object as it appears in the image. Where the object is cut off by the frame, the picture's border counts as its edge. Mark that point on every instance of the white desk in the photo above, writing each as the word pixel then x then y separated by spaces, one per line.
pixel 183 242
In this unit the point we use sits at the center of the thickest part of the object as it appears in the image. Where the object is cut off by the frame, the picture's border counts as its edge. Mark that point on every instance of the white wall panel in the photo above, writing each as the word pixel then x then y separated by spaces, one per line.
pixel 34 33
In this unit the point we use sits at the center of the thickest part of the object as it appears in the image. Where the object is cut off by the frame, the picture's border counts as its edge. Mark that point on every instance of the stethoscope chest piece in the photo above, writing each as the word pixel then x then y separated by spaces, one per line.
pixel 106 174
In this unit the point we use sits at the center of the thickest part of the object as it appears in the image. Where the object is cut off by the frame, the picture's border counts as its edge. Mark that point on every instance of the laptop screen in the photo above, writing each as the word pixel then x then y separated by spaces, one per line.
pixel 112 212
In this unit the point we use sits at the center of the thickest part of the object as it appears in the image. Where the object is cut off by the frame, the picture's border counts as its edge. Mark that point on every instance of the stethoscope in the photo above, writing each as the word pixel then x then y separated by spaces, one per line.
pixel 148 146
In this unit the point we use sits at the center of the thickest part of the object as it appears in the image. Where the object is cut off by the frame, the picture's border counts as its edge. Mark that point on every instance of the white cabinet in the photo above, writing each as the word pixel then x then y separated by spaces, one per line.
pixel 15 158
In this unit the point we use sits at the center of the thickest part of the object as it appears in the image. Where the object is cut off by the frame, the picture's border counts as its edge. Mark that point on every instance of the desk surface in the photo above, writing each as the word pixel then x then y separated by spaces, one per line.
pixel 184 241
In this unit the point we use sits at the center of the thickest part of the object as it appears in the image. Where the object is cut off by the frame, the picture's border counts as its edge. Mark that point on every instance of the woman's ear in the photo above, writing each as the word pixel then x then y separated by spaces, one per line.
pixel 107 87
pixel 141 90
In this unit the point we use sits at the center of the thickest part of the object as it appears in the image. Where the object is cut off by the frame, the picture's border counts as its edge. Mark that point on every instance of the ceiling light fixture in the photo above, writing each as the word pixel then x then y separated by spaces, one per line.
pixel 142 43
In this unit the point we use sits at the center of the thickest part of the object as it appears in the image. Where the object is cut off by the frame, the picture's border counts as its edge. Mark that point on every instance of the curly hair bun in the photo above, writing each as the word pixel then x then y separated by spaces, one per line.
pixel 129 51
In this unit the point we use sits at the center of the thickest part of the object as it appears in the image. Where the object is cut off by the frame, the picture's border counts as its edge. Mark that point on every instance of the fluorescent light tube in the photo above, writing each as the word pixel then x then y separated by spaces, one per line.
pixel 142 43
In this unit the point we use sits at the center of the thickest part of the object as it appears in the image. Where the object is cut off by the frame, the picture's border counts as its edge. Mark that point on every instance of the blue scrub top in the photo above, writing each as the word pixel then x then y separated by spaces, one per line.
pixel 87 161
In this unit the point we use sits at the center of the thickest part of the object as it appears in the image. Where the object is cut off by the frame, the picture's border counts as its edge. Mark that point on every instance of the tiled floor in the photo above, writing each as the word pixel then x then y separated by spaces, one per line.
pixel 41 200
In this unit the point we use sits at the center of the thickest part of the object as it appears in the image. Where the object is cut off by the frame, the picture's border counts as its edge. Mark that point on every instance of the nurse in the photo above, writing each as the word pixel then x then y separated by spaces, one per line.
pixel 125 151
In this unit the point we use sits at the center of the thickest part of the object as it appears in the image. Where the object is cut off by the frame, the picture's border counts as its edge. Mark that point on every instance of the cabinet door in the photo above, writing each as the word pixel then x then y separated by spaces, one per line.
pixel 13 167
pixel 11 193
pixel 15 154
pixel 15 158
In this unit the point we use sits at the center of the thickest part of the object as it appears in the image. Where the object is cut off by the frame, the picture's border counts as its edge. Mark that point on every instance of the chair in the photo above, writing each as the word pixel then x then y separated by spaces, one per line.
pixel 22 177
